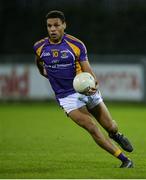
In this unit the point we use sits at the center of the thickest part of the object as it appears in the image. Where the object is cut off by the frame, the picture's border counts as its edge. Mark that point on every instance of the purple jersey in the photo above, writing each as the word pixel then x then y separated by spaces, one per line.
pixel 62 62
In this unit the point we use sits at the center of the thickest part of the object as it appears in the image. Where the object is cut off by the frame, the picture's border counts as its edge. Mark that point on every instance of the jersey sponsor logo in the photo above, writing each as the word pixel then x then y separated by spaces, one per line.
pixel 55 61
pixel 58 66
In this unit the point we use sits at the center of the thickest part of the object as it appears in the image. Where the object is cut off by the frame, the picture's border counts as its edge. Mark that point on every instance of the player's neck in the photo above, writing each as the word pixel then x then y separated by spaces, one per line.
pixel 56 41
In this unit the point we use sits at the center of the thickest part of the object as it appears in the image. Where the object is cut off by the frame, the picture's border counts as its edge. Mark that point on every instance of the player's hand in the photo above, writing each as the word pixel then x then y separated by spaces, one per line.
pixel 44 72
pixel 92 91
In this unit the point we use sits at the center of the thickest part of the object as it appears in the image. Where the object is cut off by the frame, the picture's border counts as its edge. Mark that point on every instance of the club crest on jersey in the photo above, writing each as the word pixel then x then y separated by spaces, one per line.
pixel 45 54
pixel 64 54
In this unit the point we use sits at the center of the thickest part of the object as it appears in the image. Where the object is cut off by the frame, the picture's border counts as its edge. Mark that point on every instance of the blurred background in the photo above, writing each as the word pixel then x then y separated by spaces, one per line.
pixel 114 33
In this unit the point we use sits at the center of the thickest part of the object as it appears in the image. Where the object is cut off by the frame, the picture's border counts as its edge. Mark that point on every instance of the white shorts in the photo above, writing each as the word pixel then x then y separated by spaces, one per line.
pixel 77 100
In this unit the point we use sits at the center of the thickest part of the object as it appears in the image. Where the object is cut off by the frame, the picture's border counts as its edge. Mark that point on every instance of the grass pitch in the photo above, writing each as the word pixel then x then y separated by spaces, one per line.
pixel 39 141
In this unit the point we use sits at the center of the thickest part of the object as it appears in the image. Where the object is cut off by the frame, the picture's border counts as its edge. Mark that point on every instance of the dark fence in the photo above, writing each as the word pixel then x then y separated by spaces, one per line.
pixel 105 26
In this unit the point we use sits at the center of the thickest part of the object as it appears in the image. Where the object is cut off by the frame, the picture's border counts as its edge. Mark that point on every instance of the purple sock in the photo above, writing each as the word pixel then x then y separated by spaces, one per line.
pixel 122 157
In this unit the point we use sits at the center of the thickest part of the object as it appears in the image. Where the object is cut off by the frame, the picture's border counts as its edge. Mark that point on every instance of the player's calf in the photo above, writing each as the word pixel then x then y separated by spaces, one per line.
pixel 122 141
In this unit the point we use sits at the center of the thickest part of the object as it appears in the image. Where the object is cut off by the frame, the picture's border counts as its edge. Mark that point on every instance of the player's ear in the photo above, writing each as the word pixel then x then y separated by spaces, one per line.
pixel 64 25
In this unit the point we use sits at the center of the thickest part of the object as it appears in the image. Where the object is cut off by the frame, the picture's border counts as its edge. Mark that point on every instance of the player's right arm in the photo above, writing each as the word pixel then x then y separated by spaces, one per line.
pixel 40 66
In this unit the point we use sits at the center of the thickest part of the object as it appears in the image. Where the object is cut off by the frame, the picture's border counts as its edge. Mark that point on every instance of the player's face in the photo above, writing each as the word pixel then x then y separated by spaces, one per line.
pixel 55 29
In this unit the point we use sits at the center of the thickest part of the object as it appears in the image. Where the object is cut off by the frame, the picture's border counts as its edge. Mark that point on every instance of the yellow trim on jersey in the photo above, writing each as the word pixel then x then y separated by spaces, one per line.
pixel 74 38
pixel 75 49
pixel 38 51
pixel 77 40
pixel 40 41
pixel 78 67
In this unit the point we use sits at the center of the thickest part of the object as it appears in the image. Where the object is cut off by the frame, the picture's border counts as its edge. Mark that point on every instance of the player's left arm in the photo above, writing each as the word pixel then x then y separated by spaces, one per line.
pixel 85 65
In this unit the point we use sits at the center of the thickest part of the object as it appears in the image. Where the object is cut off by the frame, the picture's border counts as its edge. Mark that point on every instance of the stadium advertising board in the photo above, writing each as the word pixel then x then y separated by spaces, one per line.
pixel 23 82
pixel 117 82
pixel 121 82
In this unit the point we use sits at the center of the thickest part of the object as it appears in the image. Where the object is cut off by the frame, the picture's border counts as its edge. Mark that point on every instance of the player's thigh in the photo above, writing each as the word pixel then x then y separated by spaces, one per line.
pixel 103 116
pixel 82 117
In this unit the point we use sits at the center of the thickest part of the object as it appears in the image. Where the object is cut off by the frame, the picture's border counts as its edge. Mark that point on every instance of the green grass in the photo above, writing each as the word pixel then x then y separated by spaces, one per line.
pixel 39 141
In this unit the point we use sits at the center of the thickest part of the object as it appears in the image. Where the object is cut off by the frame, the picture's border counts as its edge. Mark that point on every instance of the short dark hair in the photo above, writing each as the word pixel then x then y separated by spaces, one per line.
pixel 56 14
